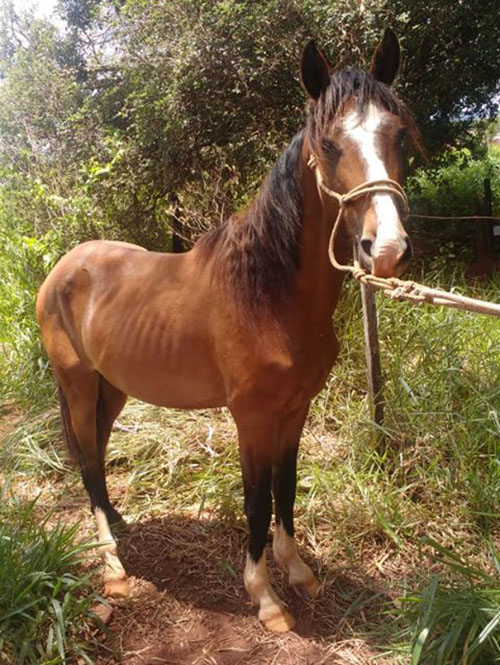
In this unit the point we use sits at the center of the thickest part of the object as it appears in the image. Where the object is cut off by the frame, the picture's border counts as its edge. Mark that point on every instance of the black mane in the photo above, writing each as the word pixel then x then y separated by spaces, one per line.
pixel 257 253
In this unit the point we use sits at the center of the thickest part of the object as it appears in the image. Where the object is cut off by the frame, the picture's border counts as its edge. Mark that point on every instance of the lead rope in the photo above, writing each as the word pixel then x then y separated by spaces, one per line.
pixel 396 289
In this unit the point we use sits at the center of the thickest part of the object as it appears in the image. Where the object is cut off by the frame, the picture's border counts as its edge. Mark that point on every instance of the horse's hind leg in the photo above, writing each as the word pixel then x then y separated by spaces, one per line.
pixel 110 402
pixel 300 576
pixel 89 406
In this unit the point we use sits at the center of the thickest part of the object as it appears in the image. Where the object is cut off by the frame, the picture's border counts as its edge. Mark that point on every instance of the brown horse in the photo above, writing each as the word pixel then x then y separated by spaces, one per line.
pixel 244 319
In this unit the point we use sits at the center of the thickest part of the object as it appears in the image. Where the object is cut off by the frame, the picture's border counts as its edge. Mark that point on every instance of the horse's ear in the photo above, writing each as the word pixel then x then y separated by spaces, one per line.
pixel 385 61
pixel 314 70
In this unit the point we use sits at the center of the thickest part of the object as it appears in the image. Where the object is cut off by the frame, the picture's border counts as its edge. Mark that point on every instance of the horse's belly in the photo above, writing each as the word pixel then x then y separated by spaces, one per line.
pixel 174 386
pixel 177 392
pixel 179 372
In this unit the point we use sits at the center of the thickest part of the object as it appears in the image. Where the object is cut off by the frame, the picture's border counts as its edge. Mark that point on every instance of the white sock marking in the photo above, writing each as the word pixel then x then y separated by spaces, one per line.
pixel 286 555
pixel 113 569
pixel 271 610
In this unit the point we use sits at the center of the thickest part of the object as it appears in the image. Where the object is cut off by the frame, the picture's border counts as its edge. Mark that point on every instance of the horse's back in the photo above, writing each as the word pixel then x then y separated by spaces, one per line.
pixel 76 260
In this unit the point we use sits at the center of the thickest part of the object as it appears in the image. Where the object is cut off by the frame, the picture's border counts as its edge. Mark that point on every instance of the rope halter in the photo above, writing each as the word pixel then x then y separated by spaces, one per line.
pixel 393 287
pixel 386 186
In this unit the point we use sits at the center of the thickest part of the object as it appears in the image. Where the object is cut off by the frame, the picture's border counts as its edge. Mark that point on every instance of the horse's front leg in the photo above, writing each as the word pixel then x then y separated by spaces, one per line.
pixel 257 441
pixel 300 576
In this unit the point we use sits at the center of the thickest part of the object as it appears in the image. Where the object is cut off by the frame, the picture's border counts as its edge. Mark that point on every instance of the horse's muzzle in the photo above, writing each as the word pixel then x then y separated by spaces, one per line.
pixel 390 260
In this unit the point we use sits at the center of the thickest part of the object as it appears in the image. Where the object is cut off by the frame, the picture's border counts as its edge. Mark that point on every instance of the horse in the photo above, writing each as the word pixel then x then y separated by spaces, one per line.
pixel 243 319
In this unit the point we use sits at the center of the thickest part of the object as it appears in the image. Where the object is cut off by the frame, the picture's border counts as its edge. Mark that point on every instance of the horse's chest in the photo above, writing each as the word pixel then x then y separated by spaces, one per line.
pixel 312 364
pixel 285 376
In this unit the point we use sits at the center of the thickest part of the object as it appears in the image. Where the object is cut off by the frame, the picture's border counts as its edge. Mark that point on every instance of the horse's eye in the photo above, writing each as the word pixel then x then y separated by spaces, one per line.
pixel 330 150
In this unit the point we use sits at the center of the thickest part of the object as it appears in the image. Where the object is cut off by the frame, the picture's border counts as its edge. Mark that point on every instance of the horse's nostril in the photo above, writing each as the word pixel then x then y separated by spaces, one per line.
pixel 366 246
pixel 408 253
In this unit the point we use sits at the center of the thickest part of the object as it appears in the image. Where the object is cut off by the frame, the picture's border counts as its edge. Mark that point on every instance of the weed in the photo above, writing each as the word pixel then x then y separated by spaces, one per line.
pixel 45 605
pixel 456 618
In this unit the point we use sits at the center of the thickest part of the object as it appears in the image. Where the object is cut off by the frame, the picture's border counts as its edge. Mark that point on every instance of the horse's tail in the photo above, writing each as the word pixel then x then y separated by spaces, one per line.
pixel 69 435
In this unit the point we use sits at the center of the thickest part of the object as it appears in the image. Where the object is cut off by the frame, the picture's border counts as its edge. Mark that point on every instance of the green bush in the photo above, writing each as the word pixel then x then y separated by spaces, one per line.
pixel 455 184
pixel 23 365
pixel 452 185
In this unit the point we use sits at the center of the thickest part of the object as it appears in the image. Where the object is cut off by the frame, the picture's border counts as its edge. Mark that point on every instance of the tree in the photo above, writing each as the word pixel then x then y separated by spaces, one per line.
pixel 144 112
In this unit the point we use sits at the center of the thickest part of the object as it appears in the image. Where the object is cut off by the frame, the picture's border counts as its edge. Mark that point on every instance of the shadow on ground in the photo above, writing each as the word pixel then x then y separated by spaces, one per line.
pixel 189 605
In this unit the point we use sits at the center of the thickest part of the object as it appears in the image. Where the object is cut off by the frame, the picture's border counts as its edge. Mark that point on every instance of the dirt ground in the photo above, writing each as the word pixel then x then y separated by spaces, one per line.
pixel 188 605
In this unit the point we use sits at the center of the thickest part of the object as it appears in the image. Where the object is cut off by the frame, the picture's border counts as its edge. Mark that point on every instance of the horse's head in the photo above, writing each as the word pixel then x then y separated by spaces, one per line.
pixel 357 129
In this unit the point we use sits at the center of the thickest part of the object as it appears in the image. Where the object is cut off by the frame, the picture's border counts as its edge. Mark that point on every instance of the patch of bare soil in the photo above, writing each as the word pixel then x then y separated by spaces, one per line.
pixel 188 605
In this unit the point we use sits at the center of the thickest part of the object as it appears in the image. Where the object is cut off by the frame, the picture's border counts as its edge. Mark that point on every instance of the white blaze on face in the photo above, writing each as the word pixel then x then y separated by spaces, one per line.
pixel 363 132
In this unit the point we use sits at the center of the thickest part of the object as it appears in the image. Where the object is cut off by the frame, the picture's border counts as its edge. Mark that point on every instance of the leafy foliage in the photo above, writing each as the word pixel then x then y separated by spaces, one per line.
pixel 23 263
pixel 455 185
pixel 450 71
pixel 457 616
pixel 43 608
pixel 118 119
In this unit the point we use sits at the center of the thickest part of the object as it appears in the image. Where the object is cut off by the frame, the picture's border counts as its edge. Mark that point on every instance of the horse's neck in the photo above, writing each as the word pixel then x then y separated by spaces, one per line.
pixel 318 283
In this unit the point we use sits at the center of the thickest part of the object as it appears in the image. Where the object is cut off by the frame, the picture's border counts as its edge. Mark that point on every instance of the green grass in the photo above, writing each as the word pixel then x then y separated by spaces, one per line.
pixel 455 619
pixel 45 603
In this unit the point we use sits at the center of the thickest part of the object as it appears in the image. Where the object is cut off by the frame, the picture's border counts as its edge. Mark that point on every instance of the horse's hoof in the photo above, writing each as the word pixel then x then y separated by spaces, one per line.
pixel 116 589
pixel 281 622
pixel 309 589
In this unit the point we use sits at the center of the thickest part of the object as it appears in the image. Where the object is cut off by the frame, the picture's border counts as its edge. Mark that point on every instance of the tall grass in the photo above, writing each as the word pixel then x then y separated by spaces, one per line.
pixel 442 388
pixel 45 602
